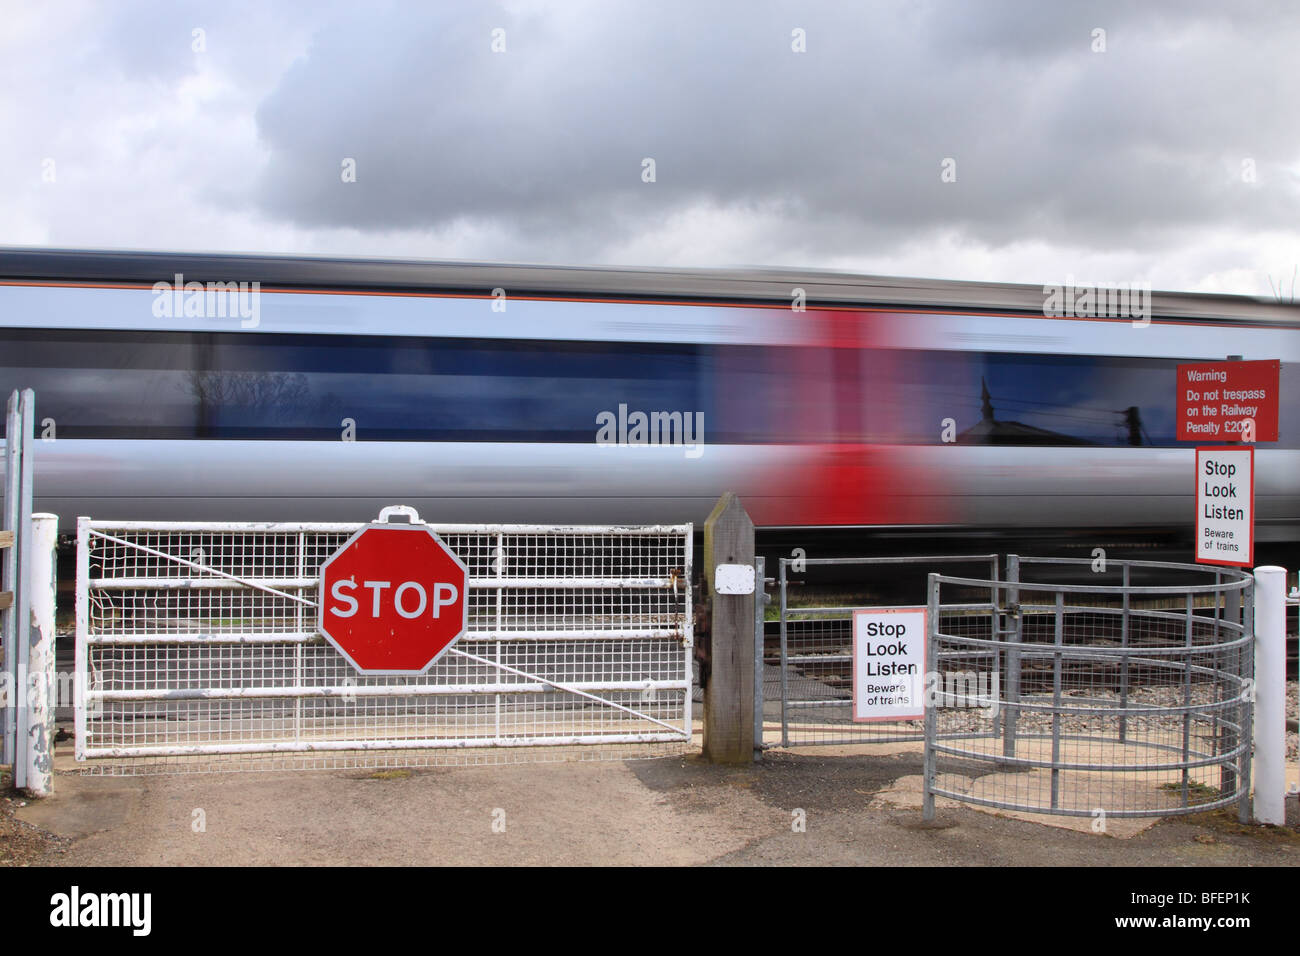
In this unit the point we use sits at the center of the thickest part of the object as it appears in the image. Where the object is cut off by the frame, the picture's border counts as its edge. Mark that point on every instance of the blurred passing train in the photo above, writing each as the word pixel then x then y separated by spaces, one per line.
pixel 486 393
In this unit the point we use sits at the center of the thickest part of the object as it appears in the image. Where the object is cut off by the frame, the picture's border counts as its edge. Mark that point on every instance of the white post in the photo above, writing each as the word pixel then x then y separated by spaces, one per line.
pixel 1270 695
pixel 42 579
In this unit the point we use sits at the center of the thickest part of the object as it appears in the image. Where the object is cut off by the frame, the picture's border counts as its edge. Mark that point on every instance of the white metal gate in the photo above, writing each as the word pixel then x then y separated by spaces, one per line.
pixel 198 646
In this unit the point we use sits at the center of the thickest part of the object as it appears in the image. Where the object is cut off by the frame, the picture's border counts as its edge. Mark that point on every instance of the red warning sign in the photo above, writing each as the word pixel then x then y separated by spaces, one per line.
pixel 1216 399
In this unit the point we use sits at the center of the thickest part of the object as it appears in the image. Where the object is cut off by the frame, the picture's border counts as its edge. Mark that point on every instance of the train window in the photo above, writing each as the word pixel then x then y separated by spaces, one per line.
pixel 446 389
pixel 778 395
pixel 1037 399
pixel 123 384
pixel 182 385
pixel 102 385
pixel 1016 399
pixel 1075 400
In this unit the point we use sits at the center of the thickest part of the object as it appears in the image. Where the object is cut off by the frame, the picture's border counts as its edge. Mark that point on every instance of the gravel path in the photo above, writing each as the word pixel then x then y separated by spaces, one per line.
pixel 674 811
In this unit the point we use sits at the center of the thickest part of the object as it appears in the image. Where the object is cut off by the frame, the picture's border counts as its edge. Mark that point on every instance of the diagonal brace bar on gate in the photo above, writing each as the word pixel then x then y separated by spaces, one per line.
pixel 568 689
pixel 201 567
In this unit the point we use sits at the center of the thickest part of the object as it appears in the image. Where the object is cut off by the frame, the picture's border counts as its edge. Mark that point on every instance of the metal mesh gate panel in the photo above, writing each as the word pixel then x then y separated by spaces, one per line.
pixel 199 648
pixel 807 686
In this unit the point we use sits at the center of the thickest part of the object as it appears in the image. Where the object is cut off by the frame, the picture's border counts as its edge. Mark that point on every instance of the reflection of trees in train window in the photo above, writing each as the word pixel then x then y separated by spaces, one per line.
pixel 1036 399
pixel 251 399
pixel 1068 399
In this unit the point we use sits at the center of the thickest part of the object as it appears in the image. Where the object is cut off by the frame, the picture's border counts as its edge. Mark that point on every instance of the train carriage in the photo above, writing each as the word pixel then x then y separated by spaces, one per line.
pixel 264 388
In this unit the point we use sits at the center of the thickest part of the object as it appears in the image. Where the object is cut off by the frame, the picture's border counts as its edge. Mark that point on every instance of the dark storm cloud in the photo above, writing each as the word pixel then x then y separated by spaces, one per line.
pixel 1051 140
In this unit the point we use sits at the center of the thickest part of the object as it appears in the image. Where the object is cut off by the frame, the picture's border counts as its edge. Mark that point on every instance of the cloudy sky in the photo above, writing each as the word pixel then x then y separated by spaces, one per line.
pixel 975 139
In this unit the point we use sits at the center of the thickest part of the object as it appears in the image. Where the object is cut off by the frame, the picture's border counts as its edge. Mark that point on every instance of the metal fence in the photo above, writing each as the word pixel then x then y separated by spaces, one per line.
pixel 806 692
pixel 199 648
pixel 1115 698
pixel 15 605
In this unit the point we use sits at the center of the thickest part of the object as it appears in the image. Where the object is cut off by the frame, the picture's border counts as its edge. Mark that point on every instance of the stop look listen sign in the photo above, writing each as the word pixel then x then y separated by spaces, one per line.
pixel 392 600
pixel 1225 506
pixel 889 663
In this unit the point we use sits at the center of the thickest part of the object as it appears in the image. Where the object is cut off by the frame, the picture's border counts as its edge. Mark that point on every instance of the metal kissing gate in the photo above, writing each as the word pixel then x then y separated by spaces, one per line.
pixel 1086 687
pixel 197 648
pixel 806 678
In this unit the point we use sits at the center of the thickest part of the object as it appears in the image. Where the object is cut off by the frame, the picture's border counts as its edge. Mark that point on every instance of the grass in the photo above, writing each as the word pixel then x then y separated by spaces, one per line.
pixel 390 774
pixel 1195 789
pixel 1225 820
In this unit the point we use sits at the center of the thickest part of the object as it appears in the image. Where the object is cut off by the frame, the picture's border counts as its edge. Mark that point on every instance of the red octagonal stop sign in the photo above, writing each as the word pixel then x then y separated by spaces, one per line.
pixel 392 599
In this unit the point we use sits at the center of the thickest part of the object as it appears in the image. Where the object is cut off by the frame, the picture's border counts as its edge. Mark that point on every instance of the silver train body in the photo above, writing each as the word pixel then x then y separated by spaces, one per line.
pixel 84 298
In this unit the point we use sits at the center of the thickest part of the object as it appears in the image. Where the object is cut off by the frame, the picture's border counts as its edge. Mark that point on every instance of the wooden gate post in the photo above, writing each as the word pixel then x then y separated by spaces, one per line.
pixel 729 692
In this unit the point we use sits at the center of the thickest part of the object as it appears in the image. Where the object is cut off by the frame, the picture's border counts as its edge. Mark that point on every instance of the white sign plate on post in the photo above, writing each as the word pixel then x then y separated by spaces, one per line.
pixel 1225 506
pixel 733 579
pixel 889 664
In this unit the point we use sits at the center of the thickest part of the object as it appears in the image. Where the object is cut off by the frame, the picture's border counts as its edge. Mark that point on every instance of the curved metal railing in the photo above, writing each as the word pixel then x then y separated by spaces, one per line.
pixel 1113 708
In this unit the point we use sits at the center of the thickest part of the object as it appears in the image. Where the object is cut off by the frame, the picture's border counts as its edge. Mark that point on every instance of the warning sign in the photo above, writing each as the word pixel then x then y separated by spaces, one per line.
pixel 1225 506
pixel 1216 399
pixel 889 664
